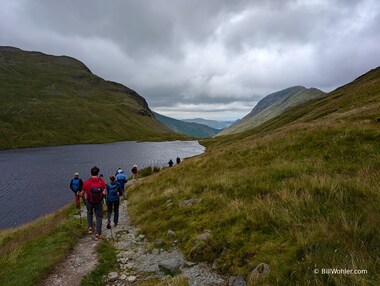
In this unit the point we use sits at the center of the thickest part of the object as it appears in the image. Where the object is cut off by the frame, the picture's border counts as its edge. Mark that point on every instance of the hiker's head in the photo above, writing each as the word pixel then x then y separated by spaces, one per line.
pixel 76 175
pixel 112 178
pixel 94 171
pixel 101 176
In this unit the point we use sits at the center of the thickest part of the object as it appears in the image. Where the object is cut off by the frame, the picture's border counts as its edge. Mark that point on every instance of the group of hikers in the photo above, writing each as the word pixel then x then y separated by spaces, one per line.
pixel 171 161
pixel 94 192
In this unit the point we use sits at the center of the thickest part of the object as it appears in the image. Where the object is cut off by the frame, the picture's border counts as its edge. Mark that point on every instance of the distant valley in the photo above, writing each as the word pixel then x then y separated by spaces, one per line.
pixel 191 129
pixel 212 123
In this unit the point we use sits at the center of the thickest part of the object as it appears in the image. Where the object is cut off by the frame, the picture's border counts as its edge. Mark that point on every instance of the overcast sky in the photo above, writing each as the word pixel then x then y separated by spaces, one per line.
pixel 203 58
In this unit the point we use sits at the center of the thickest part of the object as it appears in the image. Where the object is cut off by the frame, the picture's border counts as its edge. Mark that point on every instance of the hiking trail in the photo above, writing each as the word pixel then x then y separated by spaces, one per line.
pixel 137 258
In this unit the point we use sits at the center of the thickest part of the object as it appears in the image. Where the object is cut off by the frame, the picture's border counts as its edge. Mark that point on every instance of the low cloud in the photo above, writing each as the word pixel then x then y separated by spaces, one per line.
pixel 206 58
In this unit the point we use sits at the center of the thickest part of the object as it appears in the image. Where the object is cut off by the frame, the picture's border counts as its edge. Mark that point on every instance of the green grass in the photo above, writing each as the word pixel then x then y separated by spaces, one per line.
pixel 29 253
pixel 147 171
pixel 48 100
pixel 106 263
pixel 299 192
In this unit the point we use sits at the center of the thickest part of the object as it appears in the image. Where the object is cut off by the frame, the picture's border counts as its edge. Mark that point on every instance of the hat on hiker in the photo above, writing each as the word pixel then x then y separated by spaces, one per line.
pixel 119 171
pixel 76 174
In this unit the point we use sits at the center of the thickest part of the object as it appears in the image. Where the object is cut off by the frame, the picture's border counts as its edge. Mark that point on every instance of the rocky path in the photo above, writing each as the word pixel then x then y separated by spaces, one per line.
pixel 139 261
pixel 79 263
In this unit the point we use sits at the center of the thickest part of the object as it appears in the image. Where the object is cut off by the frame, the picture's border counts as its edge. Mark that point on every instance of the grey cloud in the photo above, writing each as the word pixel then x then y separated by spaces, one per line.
pixel 178 53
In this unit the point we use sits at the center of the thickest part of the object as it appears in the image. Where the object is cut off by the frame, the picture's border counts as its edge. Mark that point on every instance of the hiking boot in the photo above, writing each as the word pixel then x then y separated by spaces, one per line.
pixel 115 224
pixel 108 226
pixel 90 231
pixel 98 236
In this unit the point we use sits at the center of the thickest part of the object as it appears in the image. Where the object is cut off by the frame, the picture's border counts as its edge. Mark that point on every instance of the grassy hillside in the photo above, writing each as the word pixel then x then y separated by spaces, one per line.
pixel 299 192
pixel 273 105
pixel 30 252
pixel 187 128
pixel 50 100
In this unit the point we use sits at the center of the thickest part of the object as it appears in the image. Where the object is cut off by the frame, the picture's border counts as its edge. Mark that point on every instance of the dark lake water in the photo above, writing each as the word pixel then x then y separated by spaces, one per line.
pixel 35 181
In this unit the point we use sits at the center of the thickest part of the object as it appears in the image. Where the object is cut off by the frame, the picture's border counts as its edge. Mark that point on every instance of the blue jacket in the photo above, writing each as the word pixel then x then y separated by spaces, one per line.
pixel 121 179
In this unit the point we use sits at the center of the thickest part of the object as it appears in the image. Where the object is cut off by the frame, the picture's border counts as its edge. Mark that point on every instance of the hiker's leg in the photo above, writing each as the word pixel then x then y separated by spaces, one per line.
pixel 109 211
pixel 76 200
pixel 116 216
pixel 89 214
pixel 99 216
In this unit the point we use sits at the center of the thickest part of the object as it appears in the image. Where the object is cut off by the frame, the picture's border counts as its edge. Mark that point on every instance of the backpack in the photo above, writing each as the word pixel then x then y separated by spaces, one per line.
pixel 75 185
pixel 121 177
pixel 112 192
pixel 95 195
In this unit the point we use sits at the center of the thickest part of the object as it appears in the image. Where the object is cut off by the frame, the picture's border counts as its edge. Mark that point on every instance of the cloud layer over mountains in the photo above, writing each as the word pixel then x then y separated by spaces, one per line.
pixel 213 58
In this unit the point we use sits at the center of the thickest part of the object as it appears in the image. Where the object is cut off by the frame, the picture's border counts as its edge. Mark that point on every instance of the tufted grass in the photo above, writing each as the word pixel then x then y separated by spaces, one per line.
pixel 296 193
pixel 30 252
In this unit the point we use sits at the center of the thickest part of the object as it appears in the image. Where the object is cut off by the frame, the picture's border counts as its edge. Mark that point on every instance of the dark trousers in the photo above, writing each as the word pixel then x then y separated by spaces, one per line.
pixel 115 207
pixel 98 208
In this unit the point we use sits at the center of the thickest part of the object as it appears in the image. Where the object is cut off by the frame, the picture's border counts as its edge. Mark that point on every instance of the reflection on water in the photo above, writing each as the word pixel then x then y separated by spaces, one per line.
pixel 35 181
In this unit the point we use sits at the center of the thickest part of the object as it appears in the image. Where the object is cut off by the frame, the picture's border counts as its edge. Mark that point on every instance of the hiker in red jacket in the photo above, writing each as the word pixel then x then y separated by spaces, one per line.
pixel 93 189
pixel 135 170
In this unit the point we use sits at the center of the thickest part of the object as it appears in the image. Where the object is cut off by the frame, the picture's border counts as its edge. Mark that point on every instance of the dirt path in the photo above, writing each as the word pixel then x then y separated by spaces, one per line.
pixel 77 264
pixel 138 259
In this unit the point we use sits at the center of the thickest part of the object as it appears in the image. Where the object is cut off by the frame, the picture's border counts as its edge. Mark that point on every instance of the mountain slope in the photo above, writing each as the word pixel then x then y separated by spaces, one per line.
pixel 187 128
pixel 212 123
pixel 299 192
pixel 273 105
pixel 50 100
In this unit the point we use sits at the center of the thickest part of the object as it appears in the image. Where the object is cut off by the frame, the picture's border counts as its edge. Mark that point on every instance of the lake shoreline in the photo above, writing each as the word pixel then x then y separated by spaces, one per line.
pixel 39 178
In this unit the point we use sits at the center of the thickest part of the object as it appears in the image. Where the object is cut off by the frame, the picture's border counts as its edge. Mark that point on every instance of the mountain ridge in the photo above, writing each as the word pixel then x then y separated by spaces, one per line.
pixel 216 124
pixel 55 100
pixel 187 128
pixel 273 105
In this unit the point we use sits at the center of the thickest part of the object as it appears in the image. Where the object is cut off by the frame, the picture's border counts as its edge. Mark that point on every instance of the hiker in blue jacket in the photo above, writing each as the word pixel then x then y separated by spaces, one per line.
pixel 76 185
pixel 112 199
pixel 121 179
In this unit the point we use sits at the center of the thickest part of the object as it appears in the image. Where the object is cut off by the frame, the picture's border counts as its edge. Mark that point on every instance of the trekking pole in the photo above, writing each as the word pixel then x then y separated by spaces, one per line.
pixel 112 234
pixel 80 212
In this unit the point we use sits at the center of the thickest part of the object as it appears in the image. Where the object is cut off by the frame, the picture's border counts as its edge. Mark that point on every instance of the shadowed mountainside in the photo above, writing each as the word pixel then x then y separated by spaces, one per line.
pixel 187 128
pixel 54 100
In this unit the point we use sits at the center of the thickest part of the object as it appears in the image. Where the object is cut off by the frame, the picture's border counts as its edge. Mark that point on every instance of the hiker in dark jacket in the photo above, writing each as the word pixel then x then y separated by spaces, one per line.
pixel 121 179
pixel 76 185
pixel 117 171
pixel 113 201
pixel 178 160
pixel 170 163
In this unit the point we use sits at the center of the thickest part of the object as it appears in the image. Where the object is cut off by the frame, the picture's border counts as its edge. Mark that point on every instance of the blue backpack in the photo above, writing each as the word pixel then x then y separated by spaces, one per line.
pixel 75 185
pixel 112 192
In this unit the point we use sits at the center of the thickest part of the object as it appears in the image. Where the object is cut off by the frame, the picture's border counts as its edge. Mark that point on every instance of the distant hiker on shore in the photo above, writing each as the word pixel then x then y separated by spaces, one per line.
pixel 178 160
pixel 117 171
pixel 121 179
pixel 134 171
pixel 93 188
pixel 76 185
pixel 170 163
pixel 112 199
